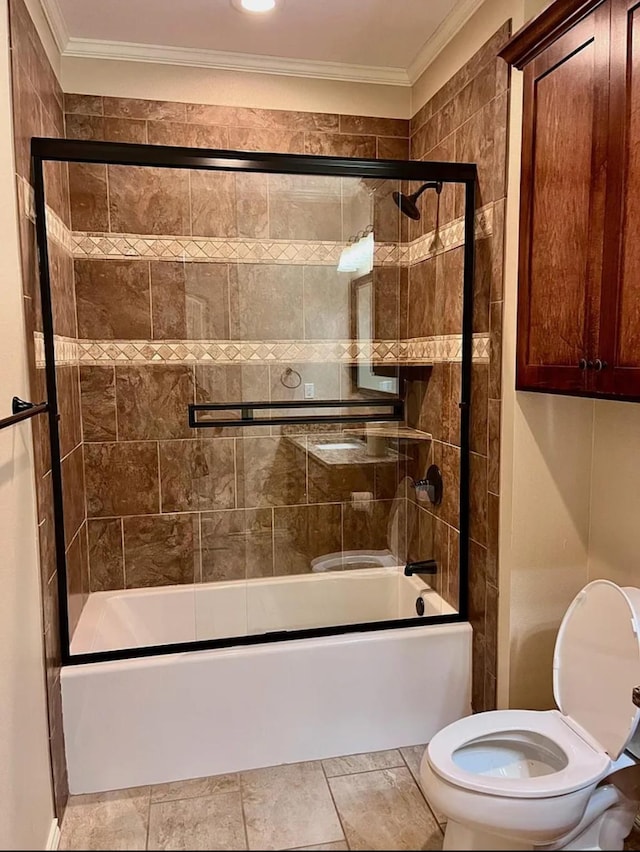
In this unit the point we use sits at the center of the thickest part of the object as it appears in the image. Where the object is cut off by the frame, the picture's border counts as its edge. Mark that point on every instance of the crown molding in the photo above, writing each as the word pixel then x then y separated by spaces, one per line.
pixel 450 27
pixel 55 19
pixel 164 54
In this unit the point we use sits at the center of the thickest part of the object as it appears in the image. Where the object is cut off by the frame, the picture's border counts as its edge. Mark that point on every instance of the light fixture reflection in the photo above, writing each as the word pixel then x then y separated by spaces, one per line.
pixel 258 5
pixel 357 256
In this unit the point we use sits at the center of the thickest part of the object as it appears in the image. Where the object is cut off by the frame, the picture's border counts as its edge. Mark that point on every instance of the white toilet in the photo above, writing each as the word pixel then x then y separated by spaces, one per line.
pixel 385 558
pixel 523 779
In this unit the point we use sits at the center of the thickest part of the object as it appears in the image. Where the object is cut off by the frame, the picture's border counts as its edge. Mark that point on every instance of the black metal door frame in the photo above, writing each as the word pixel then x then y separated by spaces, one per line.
pixel 161 156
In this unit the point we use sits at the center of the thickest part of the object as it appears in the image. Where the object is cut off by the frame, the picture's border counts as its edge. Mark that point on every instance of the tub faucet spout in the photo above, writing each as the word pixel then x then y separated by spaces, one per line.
pixel 427 566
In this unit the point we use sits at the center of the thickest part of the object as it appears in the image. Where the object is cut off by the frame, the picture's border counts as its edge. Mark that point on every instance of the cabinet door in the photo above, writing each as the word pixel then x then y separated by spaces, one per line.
pixel 566 92
pixel 620 350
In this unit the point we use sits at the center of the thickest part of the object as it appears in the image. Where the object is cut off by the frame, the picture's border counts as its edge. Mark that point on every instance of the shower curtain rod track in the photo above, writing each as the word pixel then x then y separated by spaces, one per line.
pixel 160 156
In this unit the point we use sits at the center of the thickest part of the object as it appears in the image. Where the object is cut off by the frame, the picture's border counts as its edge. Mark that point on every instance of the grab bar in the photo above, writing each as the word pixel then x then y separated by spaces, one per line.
pixel 23 410
pixel 247 417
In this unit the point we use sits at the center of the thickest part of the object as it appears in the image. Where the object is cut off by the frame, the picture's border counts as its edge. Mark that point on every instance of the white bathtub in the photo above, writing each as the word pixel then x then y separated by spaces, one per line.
pixel 168 614
pixel 177 716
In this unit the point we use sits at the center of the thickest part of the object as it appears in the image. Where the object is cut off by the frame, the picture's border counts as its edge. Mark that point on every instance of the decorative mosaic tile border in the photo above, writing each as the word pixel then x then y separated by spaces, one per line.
pixel 447 238
pixel 219 249
pixel 66 350
pixel 428 350
pixel 56 228
pixel 312 253
pixel 222 250
pixel 442 348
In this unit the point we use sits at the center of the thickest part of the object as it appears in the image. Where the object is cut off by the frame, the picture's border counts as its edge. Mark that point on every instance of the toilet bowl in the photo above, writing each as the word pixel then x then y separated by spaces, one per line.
pixel 354 559
pixel 525 779
pixel 384 558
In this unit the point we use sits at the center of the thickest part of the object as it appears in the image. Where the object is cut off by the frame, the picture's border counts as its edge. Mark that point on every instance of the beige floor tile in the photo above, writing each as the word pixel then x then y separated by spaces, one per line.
pixel 286 807
pixel 413 756
pixel 339 844
pixel 362 762
pixel 195 787
pixel 116 820
pixel 384 810
pixel 208 822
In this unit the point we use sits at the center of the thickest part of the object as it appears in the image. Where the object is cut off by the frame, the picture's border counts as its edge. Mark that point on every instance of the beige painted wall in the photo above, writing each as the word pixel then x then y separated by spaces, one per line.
pixel 26 809
pixel 614 548
pixel 546 446
pixel 544 536
pixel 231 88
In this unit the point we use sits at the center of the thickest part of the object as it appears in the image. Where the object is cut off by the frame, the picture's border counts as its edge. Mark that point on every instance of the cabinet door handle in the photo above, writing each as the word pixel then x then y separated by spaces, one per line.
pixel 600 365
pixel 582 363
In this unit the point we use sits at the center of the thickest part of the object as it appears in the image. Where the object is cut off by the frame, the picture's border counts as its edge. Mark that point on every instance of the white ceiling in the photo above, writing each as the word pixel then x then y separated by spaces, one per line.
pixel 384 35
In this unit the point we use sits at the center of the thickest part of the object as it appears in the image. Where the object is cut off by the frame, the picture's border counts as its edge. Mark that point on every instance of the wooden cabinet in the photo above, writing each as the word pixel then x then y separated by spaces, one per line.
pixel 621 278
pixel 579 258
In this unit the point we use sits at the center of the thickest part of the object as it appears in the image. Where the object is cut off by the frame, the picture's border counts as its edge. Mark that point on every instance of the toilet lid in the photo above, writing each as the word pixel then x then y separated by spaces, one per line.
pixel 596 664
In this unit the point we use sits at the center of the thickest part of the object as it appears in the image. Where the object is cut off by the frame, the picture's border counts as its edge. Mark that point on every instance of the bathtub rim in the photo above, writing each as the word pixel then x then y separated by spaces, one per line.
pixel 315 579
pixel 116 655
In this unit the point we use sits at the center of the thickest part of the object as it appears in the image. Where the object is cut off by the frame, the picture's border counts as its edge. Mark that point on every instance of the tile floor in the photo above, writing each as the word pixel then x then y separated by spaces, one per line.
pixel 363 801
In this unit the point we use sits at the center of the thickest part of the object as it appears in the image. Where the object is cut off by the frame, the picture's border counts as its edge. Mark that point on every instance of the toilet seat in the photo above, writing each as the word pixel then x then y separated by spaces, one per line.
pixel 584 765
pixel 527 779
pixel 596 663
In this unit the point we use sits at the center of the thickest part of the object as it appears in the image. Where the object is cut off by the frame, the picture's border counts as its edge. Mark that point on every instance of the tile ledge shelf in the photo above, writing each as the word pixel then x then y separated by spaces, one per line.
pixel 399 433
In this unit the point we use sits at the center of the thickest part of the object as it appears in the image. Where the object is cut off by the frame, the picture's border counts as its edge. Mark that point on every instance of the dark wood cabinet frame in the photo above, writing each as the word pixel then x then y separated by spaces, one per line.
pixel 538 48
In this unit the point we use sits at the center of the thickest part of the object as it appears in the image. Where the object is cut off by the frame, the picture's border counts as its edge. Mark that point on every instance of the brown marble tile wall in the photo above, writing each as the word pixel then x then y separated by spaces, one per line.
pixel 237 128
pixel 134 200
pixel 263 507
pixel 465 121
pixel 171 300
pixel 38 111
pixel 242 504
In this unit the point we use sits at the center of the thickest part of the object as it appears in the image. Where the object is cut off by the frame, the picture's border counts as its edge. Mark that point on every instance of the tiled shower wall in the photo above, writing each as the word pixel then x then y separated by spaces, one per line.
pixel 220 504
pixel 264 496
pixel 465 121
pixel 38 111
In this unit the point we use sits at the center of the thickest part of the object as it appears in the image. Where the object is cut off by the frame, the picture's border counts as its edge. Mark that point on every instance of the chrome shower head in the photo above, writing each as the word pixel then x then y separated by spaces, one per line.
pixel 408 203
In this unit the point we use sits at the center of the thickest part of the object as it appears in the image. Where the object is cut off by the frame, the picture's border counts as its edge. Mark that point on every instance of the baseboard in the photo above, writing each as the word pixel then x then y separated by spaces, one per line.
pixel 53 841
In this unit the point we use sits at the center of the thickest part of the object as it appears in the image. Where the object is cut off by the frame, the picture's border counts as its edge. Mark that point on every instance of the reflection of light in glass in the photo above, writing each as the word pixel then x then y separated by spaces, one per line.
pixel 196 311
pixel 357 256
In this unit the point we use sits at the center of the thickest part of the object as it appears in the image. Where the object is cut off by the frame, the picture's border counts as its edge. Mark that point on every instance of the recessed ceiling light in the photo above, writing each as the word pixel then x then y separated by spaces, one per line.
pixel 256 6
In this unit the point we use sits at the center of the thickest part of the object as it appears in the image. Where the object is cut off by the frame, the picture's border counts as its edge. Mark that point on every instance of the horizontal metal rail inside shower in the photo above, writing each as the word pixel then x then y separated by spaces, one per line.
pixel 158 156
pixel 394 414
